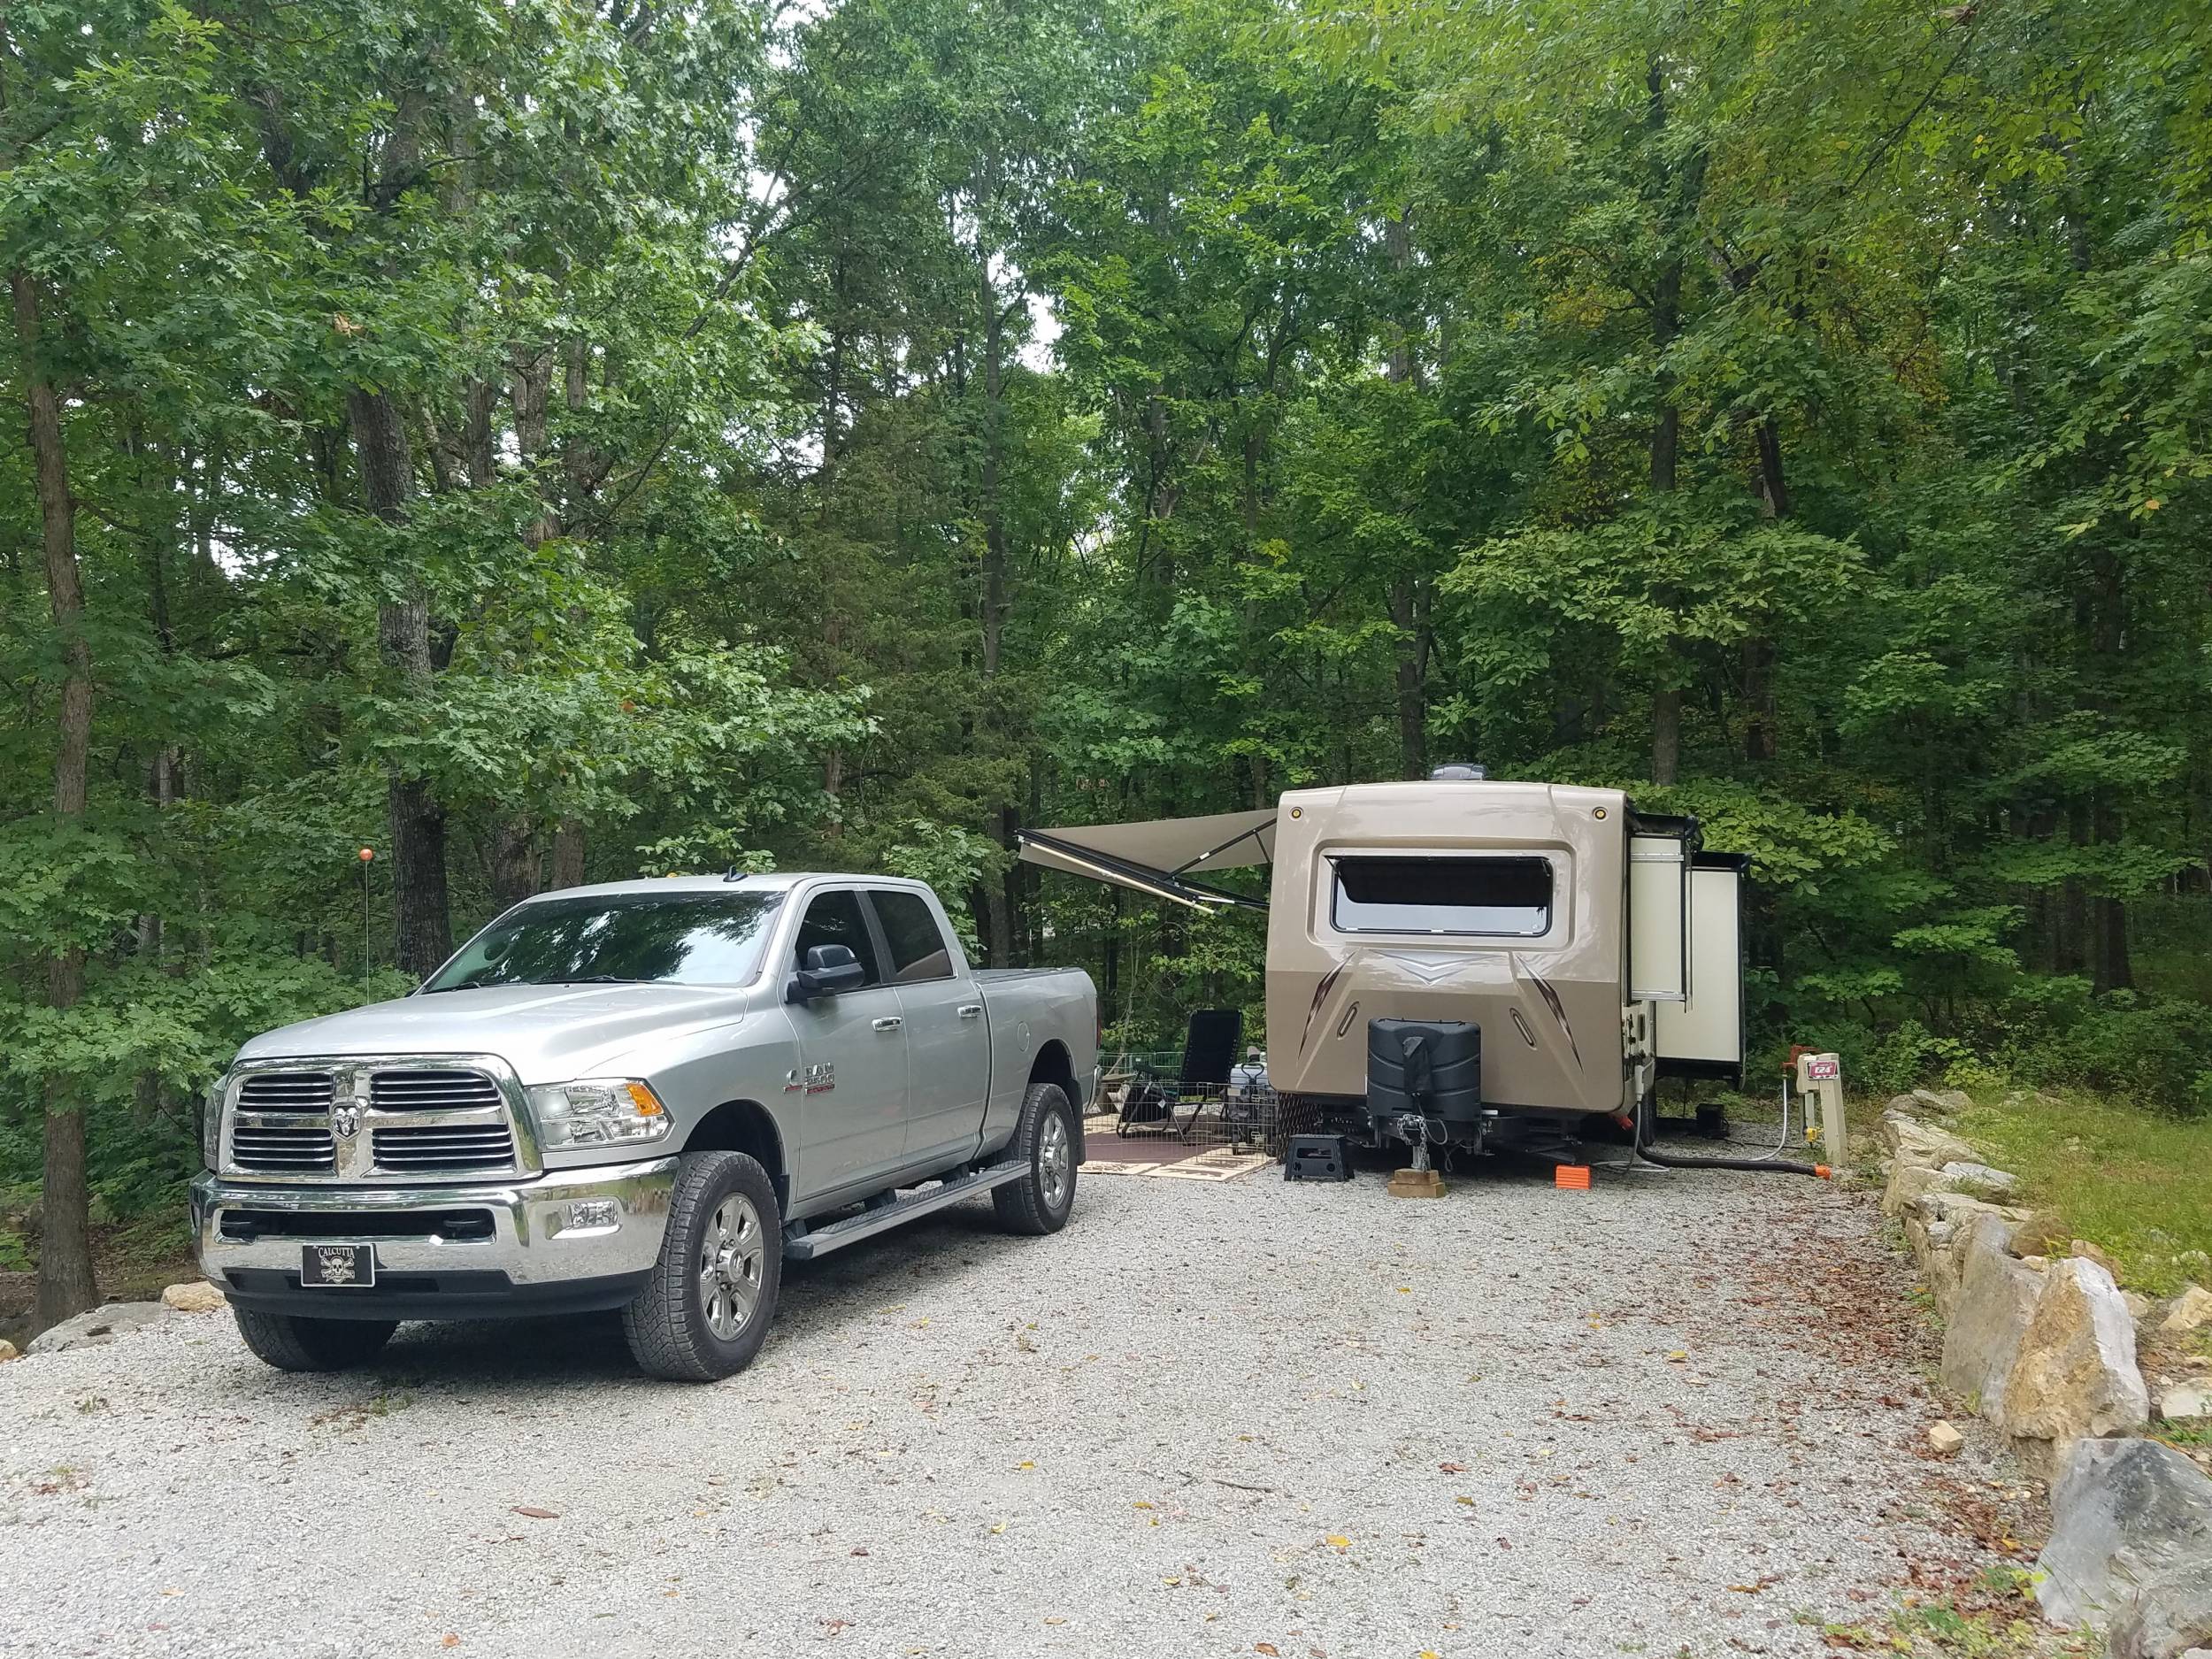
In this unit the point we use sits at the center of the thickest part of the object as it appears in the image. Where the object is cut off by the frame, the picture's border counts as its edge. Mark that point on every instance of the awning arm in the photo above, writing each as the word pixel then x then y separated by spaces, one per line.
pixel 1252 835
pixel 1166 884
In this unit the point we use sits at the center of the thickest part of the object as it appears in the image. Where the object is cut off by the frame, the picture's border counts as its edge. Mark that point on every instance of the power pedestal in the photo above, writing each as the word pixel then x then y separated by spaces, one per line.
pixel 1820 1087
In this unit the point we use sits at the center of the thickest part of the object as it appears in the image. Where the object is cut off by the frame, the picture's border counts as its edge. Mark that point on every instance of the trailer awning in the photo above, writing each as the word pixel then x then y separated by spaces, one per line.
pixel 1162 857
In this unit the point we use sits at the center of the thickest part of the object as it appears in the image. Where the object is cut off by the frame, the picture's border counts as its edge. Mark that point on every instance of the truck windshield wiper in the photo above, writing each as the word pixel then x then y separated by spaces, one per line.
pixel 487 985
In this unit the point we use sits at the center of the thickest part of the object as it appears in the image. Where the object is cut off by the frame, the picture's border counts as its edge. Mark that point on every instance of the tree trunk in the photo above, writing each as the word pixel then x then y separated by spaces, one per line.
pixel 514 861
pixel 1666 735
pixel 1408 600
pixel 2073 911
pixel 568 856
pixel 1760 740
pixel 1408 613
pixel 402 631
pixel 65 1282
pixel 995 601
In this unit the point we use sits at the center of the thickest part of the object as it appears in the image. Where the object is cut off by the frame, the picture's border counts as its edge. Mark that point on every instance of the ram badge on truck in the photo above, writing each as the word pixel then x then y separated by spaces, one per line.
pixel 642 1096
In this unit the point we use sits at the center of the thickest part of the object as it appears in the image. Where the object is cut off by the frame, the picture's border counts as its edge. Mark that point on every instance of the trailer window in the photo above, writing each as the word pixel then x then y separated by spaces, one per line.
pixel 1506 895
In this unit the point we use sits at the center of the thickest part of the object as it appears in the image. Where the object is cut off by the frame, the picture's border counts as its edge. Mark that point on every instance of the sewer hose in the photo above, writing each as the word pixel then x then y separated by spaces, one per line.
pixel 1685 1161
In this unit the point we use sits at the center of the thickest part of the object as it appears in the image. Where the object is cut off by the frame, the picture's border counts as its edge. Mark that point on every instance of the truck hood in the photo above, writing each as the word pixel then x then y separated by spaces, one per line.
pixel 549 1033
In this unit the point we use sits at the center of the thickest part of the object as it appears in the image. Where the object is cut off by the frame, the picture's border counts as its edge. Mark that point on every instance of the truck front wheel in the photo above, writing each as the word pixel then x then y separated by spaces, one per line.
pixel 1050 1142
pixel 706 1308
pixel 293 1342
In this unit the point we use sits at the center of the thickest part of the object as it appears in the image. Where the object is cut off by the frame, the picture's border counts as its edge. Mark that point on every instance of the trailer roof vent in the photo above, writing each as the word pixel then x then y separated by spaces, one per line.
pixel 1458 771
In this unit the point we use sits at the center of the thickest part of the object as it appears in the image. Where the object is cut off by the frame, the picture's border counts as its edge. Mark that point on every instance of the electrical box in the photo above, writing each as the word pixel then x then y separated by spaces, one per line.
pixel 1820 1087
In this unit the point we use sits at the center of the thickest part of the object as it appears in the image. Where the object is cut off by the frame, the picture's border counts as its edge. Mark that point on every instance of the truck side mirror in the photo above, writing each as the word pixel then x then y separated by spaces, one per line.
pixel 829 969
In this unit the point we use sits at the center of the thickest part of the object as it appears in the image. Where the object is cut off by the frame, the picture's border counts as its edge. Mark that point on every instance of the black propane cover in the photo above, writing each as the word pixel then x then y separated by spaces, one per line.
pixel 1432 1067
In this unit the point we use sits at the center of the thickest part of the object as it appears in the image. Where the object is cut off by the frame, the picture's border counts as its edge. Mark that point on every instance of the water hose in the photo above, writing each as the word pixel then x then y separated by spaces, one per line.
pixel 1683 1161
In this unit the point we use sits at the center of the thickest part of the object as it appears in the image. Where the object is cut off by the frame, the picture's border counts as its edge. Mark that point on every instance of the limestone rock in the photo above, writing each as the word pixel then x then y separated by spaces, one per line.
pixel 2123 1513
pixel 7 1352
pixel 2042 1233
pixel 1996 1301
pixel 198 1297
pixel 2169 1618
pixel 2089 1252
pixel 1962 1208
pixel 1912 1141
pixel 2190 1311
pixel 1908 1184
pixel 1973 1173
pixel 1943 1101
pixel 2074 1374
pixel 1944 1440
pixel 2184 1402
pixel 1937 1224
pixel 99 1327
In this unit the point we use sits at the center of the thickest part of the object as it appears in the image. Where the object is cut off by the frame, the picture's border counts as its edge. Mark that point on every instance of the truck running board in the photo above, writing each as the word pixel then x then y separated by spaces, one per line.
pixel 868 1223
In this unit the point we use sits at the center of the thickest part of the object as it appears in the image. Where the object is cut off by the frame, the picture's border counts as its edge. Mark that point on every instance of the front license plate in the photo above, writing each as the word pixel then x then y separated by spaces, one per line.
pixel 334 1265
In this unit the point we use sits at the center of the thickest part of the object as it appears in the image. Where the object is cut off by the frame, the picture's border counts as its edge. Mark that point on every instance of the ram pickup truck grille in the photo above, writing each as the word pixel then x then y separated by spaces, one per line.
pixel 432 1091
pixel 293 1149
pixel 363 1121
pixel 287 1092
pixel 462 1146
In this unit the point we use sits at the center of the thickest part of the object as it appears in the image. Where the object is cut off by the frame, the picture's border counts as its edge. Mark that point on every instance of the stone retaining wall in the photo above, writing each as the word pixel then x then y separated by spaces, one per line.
pixel 2039 1339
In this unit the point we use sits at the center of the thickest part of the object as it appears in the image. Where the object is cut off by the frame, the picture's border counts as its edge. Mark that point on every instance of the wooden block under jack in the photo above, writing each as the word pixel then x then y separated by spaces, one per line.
pixel 1416 1183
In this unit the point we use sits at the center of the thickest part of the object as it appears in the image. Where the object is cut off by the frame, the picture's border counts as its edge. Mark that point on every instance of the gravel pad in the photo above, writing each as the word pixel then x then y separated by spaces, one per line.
pixel 1681 1412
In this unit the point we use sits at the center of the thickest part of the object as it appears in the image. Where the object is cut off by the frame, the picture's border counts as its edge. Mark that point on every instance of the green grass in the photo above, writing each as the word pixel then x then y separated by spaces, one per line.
pixel 2128 1180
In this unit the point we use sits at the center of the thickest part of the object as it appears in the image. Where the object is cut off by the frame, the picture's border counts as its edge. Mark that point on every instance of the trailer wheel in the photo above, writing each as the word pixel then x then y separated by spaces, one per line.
pixel 1050 1140
pixel 706 1308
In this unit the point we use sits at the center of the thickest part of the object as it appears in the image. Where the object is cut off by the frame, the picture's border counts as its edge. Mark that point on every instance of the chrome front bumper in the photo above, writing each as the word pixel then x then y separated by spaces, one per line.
pixel 249 1236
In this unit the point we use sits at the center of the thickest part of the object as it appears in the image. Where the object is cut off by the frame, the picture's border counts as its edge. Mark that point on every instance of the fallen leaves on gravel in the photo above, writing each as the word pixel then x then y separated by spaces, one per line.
pixel 535 1513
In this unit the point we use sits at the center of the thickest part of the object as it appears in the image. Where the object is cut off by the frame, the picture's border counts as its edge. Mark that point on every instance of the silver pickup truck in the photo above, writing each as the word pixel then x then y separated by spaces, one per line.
pixel 642 1096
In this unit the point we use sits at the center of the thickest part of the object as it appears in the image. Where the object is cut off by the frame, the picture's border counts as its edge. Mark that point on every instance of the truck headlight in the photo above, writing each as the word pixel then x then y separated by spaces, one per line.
pixel 598 1112
pixel 212 1123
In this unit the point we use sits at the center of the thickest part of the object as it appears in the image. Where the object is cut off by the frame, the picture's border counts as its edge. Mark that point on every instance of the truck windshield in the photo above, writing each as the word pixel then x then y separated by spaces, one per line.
pixel 624 938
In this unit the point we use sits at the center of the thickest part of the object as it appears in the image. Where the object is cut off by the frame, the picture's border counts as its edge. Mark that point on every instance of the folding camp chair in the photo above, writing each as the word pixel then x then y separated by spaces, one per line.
pixel 1150 1105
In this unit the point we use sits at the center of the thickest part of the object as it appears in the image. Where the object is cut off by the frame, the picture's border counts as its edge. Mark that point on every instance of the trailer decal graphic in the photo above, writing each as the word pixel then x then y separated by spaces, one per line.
pixel 1320 995
pixel 1558 1012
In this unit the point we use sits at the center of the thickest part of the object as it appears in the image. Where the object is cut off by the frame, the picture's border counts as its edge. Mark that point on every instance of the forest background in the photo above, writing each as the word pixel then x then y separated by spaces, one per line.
pixel 542 440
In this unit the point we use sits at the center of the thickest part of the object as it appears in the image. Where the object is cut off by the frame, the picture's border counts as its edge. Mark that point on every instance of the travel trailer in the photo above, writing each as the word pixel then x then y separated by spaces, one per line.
pixel 1463 960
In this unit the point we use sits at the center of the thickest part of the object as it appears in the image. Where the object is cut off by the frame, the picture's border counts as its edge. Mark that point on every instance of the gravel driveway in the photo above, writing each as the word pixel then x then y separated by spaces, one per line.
pixel 1680 1413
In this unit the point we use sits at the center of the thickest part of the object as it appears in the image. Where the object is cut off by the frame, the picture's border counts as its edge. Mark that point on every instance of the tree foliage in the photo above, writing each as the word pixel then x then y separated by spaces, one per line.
pixel 545 441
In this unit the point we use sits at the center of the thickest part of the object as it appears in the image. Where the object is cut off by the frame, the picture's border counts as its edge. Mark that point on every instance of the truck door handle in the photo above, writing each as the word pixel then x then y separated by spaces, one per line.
pixel 972 1010
pixel 889 1022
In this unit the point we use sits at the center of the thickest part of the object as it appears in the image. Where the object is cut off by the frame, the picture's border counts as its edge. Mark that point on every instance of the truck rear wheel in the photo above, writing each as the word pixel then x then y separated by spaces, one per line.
pixel 293 1342
pixel 1050 1142
pixel 706 1308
